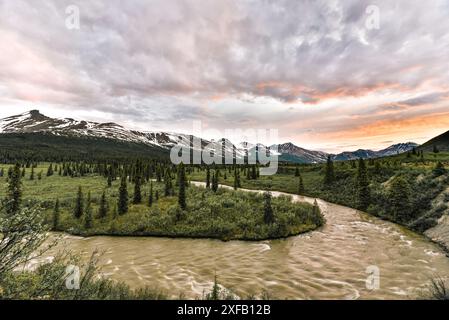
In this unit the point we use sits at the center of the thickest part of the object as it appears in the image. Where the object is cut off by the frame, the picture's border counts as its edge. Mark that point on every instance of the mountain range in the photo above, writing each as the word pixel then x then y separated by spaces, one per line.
pixel 34 123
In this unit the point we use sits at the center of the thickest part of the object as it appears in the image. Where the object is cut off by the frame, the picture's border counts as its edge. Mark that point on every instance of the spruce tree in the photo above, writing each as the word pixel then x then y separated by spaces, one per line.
pixel 236 179
pixel 253 173
pixel 32 174
pixel 297 172
pixel 363 191
pixel 207 178
pixel 88 218
pixel 50 170
pixel 56 213
pixel 168 184
pixel 103 209
pixel 137 199
pixel 399 199
pixel 317 217
pixel 14 192
pixel 109 179
pixel 215 182
pixel 268 215
pixel 79 204
pixel 329 176
pixel 122 205
pixel 182 187
pixel 150 197
pixel 301 188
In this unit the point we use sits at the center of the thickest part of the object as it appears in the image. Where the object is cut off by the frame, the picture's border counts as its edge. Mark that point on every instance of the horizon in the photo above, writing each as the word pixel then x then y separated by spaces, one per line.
pixel 215 139
pixel 330 76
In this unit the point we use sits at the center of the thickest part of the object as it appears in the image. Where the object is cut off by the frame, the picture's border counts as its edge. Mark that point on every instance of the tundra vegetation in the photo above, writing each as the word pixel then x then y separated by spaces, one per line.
pixel 155 198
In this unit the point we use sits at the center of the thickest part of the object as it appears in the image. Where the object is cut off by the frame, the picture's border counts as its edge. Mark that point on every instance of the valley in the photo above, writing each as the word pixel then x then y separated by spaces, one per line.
pixel 95 192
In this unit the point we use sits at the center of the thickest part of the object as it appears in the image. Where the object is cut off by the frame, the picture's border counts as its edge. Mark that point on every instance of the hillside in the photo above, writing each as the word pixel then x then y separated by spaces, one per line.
pixel 42 146
pixel 441 142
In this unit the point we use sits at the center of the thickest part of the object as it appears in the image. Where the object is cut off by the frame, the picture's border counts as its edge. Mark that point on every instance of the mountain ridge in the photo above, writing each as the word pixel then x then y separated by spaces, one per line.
pixel 35 122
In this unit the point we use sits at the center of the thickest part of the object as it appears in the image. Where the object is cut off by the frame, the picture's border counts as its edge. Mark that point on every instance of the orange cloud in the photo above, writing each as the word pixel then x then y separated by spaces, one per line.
pixel 404 129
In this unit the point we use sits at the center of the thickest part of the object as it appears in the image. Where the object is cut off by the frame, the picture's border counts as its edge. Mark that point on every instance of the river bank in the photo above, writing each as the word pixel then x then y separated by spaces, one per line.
pixel 328 263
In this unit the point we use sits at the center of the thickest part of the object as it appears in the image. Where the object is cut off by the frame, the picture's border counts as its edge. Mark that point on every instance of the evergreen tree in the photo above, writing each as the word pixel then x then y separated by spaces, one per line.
pixel 268 215
pixel 253 173
pixel 150 197
pixel 301 188
pixel 399 199
pixel 363 191
pixel 122 205
pixel 14 192
pixel 215 182
pixel 317 217
pixel 50 170
pixel 137 190
pixel 168 184
pixel 103 209
pixel 156 195
pixel 329 176
pixel 435 149
pixel 79 204
pixel 236 179
pixel 297 172
pixel 109 179
pixel 88 218
pixel 207 178
pixel 182 187
pixel 23 173
pixel 56 213
pixel 32 174
pixel 377 167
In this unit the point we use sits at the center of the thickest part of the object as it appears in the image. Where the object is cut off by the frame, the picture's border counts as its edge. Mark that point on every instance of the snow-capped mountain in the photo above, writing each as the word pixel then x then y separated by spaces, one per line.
pixel 370 154
pixel 35 122
pixel 397 149
pixel 293 153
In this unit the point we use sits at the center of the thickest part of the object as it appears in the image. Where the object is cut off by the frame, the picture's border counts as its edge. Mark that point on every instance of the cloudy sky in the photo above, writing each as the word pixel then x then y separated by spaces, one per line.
pixel 329 75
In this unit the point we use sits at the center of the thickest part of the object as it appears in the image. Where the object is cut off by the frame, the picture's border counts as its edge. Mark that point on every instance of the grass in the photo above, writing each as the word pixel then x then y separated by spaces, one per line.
pixel 225 215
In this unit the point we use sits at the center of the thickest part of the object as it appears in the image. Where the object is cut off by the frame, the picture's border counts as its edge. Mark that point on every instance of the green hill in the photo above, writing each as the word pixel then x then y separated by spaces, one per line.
pixel 50 147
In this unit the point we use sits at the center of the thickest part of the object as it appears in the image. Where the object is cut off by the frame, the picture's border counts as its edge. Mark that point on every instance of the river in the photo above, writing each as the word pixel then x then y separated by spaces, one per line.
pixel 329 263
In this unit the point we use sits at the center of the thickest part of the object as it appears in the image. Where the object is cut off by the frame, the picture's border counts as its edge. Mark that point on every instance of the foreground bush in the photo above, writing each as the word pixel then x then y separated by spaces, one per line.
pixel 48 282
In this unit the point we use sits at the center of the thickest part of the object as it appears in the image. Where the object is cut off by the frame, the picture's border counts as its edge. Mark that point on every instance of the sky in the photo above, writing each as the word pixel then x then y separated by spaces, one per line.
pixel 328 75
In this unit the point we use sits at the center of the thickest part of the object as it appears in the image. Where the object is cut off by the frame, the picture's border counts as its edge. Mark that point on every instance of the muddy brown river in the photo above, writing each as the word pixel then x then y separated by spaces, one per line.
pixel 329 263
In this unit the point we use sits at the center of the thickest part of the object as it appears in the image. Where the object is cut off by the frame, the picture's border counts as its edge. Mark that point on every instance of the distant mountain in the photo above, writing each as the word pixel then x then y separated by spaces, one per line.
pixel 292 153
pixel 39 128
pixel 396 149
pixel 33 121
pixel 370 154
pixel 34 125
pixel 441 142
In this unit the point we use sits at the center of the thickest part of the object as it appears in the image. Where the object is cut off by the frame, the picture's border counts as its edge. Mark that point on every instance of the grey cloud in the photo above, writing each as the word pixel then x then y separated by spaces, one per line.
pixel 306 50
